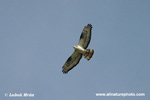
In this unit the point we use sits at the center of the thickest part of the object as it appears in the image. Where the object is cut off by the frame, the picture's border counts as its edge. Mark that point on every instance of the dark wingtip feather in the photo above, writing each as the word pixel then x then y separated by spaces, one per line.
pixel 90 25
pixel 64 72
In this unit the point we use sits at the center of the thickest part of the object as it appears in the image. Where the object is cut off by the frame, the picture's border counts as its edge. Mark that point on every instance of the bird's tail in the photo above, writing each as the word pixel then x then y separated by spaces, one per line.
pixel 88 55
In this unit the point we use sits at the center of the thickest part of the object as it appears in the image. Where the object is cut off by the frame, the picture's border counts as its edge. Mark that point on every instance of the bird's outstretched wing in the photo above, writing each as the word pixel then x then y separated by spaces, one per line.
pixel 72 61
pixel 85 36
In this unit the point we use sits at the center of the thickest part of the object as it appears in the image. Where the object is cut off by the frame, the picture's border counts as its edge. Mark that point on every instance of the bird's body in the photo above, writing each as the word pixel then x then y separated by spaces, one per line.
pixel 80 50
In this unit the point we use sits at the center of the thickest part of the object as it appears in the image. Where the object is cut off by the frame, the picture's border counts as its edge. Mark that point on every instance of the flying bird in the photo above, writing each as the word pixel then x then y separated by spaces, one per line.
pixel 80 50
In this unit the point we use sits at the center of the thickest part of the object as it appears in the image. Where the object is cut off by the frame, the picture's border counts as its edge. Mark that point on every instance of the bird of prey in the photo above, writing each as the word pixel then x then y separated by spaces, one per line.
pixel 80 50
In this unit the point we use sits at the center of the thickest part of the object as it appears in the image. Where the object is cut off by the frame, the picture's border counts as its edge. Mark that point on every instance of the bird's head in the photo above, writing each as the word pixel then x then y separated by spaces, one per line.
pixel 74 47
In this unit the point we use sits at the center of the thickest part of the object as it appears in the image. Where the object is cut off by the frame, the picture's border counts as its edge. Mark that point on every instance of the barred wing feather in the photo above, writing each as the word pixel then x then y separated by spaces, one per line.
pixel 72 61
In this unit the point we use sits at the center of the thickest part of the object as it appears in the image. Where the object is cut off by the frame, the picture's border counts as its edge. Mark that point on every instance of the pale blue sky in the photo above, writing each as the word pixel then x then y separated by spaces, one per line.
pixel 36 38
